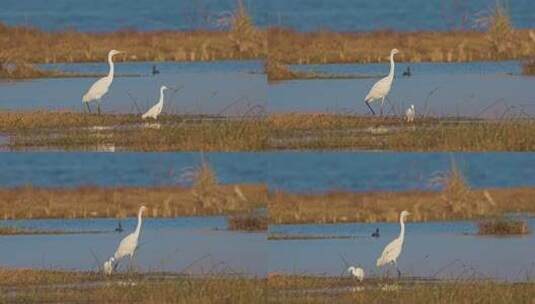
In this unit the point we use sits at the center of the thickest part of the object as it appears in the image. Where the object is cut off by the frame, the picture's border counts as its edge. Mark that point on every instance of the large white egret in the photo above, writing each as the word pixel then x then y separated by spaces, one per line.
pixel 127 247
pixel 410 114
pixel 393 250
pixel 101 86
pixel 157 108
pixel 357 273
pixel 380 89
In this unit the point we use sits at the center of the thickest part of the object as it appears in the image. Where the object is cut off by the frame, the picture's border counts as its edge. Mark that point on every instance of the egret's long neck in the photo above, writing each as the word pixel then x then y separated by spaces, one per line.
pixel 392 66
pixel 161 96
pixel 402 231
pixel 139 220
pixel 112 68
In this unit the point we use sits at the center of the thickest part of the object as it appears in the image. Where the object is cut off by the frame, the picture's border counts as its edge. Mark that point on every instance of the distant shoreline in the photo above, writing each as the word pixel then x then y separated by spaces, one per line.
pixel 278 44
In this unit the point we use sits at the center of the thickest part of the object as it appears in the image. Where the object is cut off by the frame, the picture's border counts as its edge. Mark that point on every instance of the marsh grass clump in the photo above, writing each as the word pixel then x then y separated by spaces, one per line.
pixel 251 222
pixel 497 21
pixel 503 226
pixel 455 188
pixel 244 34
pixel 277 71
pixel 461 201
pixel 204 176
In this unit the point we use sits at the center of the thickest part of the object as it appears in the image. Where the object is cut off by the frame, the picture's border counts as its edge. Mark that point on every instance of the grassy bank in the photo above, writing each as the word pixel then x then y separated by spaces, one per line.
pixel 452 204
pixel 239 42
pixel 299 289
pixel 337 132
pixel 77 131
pixel 257 132
pixel 322 47
pixel 91 202
pixel 32 286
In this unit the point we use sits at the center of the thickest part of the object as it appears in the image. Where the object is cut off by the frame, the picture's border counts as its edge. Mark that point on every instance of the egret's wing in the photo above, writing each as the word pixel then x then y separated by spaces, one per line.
pixel 97 90
pixel 377 90
pixel 126 246
pixel 155 110
pixel 389 253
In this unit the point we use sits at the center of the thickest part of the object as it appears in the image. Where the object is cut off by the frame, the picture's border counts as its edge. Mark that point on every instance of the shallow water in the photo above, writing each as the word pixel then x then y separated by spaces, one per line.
pixel 304 15
pixel 196 245
pixel 226 88
pixel 287 171
pixel 441 250
pixel 479 89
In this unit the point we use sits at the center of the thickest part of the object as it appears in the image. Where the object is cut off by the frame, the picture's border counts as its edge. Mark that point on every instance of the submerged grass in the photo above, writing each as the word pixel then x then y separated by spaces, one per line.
pixel 293 131
pixel 76 131
pixel 33 286
pixel 337 131
pixel 8 230
pixel 303 289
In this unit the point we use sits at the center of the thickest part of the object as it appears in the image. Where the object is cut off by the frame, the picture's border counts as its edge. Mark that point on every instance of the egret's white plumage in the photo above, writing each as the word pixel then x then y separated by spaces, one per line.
pixel 393 250
pixel 410 114
pixel 380 89
pixel 356 272
pixel 127 247
pixel 157 108
pixel 101 86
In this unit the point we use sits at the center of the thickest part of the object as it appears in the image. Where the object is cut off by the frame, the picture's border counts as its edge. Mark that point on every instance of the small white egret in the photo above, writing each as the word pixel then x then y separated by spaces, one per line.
pixel 108 266
pixel 393 250
pixel 127 247
pixel 101 86
pixel 380 89
pixel 410 114
pixel 157 108
pixel 357 272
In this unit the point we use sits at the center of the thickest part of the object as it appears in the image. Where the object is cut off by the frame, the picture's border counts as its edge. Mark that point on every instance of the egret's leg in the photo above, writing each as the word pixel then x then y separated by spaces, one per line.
pixel 116 265
pixel 397 268
pixel 371 109
pixel 87 106
pixel 392 108
pixel 382 106
pixel 98 106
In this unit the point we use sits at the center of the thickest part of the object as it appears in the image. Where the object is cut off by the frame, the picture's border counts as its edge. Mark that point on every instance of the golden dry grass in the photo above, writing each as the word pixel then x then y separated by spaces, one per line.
pixel 339 207
pixel 89 202
pixel 288 46
pixel 241 41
